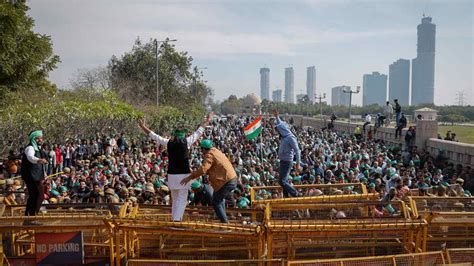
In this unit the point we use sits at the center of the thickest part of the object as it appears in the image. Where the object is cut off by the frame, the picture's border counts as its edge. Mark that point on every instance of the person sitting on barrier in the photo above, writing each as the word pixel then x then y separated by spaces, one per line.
pixel 222 176
pixel 288 151
pixel 401 124
pixel 379 120
pixel 367 121
pixel 358 132
pixel 178 168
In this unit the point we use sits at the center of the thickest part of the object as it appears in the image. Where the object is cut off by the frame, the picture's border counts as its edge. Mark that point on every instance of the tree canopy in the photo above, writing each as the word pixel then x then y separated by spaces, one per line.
pixel 26 57
pixel 133 76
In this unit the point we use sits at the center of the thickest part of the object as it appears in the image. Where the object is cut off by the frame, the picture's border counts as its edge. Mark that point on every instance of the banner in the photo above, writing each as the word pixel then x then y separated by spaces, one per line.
pixel 59 248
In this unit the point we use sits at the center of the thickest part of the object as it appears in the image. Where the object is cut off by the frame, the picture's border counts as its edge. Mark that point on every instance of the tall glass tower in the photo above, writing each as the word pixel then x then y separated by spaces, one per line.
pixel 423 66
pixel 311 83
pixel 289 85
pixel 265 83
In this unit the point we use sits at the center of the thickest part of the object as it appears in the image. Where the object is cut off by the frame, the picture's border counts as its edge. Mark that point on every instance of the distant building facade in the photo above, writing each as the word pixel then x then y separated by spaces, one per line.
pixel 423 66
pixel 289 85
pixel 277 96
pixel 265 83
pixel 374 88
pixel 399 81
pixel 339 97
pixel 311 83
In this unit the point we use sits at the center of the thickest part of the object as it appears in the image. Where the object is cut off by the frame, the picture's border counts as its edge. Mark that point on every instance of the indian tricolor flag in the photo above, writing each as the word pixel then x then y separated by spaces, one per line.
pixel 253 129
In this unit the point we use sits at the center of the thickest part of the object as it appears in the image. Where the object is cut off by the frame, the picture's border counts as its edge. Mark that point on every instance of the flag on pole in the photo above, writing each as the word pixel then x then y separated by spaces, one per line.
pixel 253 129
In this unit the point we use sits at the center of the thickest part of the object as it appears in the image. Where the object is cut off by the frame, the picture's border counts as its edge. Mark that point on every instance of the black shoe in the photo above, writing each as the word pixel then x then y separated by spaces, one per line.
pixel 31 223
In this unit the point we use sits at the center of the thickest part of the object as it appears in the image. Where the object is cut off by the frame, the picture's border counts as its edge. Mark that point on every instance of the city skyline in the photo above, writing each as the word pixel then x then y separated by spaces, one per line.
pixel 343 39
pixel 374 89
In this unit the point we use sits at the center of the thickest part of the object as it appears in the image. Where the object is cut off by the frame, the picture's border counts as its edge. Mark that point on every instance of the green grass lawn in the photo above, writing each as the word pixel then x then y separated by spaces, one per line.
pixel 463 133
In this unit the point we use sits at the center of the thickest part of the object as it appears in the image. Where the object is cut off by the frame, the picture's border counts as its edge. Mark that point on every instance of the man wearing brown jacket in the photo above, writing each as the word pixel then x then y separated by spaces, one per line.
pixel 221 174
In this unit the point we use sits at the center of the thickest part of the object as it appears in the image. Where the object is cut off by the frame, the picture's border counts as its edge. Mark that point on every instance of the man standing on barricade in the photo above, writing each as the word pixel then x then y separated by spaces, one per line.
pixel 178 168
pixel 288 151
pixel 221 174
pixel 33 171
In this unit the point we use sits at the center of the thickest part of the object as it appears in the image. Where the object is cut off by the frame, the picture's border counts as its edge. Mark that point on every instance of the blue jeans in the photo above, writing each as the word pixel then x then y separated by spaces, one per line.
pixel 218 199
pixel 397 118
pixel 284 171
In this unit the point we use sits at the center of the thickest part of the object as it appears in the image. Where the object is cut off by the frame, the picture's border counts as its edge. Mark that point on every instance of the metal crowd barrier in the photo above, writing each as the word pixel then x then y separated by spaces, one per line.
pixel 458 256
pixel 342 228
pixel 201 213
pixel 451 221
pixel 152 262
pixel 98 242
pixel 149 238
pixel 324 227
pixel 418 259
pixel 307 191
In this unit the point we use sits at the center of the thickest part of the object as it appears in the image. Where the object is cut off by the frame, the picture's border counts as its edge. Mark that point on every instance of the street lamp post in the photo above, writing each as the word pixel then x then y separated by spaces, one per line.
pixel 348 90
pixel 195 80
pixel 158 68
pixel 320 97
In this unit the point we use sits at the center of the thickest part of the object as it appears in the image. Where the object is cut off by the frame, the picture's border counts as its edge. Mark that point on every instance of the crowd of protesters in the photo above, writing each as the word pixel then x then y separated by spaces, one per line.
pixel 113 169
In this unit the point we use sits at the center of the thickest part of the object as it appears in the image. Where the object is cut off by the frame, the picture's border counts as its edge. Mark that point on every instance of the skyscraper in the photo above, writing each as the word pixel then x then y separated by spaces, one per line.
pixel 265 83
pixel 289 85
pixel 311 83
pixel 276 95
pixel 423 66
pixel 338 97
pixel 374 89
pixel 399 81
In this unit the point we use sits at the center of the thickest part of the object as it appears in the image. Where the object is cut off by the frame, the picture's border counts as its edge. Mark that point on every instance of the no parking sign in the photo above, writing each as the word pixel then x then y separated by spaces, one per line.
pixel 59 248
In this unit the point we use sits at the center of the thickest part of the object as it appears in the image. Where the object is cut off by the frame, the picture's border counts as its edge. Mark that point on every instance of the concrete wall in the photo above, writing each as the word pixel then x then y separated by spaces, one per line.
pixel 426 133
pixel 457 152
pixel 387 134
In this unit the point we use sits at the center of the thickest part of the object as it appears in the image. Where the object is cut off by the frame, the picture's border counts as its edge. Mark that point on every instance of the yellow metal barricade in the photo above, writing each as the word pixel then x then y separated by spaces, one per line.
pixel 267 193
pixel 419 259
pixel 450 221
pixel 148 238
pixel 460 255
pixel 149 262
pixel 341 228
pixel 97 237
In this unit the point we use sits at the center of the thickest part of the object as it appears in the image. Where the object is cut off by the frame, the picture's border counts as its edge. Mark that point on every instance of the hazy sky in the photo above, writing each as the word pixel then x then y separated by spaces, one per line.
pixel 234 39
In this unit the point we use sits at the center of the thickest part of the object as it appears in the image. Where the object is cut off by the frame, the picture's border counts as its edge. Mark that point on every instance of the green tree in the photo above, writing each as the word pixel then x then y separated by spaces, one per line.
pixel 26 57
pixel 133 76
pixel 65 115
pixel 453 118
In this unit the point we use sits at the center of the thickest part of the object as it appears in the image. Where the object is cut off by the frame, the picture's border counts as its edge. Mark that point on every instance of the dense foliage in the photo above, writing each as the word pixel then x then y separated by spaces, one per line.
pixel 133 76
pixel 74 115
pixel 26 57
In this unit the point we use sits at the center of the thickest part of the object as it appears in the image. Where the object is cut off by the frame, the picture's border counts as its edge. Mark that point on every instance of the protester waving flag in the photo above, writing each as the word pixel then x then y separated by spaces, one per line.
pixel 253 129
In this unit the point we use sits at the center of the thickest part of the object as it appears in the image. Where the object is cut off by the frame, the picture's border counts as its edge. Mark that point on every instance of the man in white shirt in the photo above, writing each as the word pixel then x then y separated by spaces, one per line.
pixel 387 112
pixel 367 121
pixel 179 167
